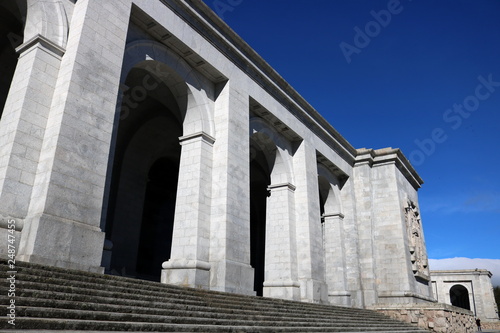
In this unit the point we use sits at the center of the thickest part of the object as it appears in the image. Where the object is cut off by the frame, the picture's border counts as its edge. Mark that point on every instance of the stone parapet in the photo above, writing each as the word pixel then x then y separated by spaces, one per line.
pixel 438 317
pixel 490 325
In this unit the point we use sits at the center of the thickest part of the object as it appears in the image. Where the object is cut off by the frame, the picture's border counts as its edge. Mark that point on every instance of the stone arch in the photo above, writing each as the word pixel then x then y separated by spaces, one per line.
pixel 271 207
pixel 329 188
pixel 146 139
pixel 459 296
pixel 333 237
pixel 48 19
pixel 26 21
pixel 188 86
pixel 277 147
pixel 12 17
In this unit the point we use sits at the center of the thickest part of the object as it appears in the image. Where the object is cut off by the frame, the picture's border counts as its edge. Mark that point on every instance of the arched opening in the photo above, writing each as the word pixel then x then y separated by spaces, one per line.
pixel 324 190
pixel 261 148
pixel 11 36
pixel 459 296
pixel 141 204
pixel 157 224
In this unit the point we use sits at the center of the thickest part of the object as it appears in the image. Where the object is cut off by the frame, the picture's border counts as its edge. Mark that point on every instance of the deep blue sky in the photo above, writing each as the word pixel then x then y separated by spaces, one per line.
pixel 398 89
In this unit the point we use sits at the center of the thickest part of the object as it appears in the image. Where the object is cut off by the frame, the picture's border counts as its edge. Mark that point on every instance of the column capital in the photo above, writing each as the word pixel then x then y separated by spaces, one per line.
pixel 44 43
pixel 198 136
pixel 338 215
pixel 186 264
pixel 282 186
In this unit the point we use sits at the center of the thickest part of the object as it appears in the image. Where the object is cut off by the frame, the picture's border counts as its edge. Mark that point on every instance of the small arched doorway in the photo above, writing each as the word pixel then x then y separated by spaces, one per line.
pixel 11 36
pixel 459 296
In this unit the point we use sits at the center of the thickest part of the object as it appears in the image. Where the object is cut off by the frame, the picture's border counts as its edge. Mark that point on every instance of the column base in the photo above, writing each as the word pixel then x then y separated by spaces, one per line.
pixel 313 291
pixel 341 298
pixel 282 289
pixel 54 241
pixel 233 277
pixel 186 273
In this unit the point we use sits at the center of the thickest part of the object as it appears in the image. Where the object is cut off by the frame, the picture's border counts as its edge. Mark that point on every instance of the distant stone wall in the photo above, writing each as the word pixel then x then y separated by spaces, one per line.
pixel 491 325
pixel 439 318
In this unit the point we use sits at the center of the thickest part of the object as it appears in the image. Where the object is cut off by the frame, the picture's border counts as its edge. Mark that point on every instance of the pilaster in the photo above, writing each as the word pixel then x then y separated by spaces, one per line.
pixel 363 194
pixel 311 261
pixel 189 260
pixel 335 257
pixel 230 224
pixel 281 278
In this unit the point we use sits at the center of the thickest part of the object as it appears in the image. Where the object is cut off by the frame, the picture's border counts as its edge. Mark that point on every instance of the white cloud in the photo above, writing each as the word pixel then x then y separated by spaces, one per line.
pixel 493 265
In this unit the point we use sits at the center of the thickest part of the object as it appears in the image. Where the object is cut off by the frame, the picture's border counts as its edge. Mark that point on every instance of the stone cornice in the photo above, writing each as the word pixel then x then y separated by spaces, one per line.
pixel 45 43
pixel 282 186
pixel 462 272
pixel 337 215
pixel 196 137
pixel 389 156
pixel 201 18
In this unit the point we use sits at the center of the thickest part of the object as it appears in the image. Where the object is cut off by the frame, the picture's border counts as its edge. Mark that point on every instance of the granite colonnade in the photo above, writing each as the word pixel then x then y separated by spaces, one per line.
pixel 148 138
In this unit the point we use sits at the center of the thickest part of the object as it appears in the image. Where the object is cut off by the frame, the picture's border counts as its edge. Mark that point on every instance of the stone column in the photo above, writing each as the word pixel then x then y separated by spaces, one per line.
pixel 335 259
pixel 23 126
pixel 364 209
pixel 62 226
pixel 311 261
pixel 351 245
pixel 281 278
pixel 189 260
pixel 230 224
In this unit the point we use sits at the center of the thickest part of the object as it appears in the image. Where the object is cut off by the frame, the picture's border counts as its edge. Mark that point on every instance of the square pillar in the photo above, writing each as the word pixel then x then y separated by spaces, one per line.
pixel 189 261
pixel 281 278
pixel 362 188
pixel 230 224
pixel 310 253
pixel 335 259
pixel 62 227
pixel 23 126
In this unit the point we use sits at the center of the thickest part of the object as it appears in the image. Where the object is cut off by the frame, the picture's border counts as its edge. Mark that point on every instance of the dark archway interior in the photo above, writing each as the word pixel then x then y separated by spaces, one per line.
pixel 143 190
pixel 11 36
pixel 324 189
pixel 459 296
pixel 259 182
pixel 157 224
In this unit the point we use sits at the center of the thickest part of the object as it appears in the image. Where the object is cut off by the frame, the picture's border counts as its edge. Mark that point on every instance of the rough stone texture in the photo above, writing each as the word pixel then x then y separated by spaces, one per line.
pixel 439 318
pixel 477 282
pixel 490 325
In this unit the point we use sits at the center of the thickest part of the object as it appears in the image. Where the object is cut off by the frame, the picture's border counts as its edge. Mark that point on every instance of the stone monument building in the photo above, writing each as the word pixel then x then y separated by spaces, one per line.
pixel 470 289
pixel 146 138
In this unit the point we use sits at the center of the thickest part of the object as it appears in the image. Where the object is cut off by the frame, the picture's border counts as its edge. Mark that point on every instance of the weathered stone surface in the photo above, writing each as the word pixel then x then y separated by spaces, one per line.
pixel 150 128
pixel 439 318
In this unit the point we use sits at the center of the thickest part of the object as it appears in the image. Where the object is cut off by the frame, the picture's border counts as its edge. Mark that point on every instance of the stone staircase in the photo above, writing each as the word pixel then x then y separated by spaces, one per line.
pixel 49 298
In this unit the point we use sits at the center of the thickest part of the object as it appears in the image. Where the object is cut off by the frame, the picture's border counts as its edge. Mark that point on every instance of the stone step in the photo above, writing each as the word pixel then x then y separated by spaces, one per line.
pixel 132 285
pixel 49 298
pixel 189 296
pixel 160 309
pixel 100 326
pixel 74 287
pixel 33 312
pixel 42 291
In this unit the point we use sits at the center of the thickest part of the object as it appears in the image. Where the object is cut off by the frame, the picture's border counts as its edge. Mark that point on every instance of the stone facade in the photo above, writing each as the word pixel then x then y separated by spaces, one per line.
pixel 470 289
pixel 146 138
